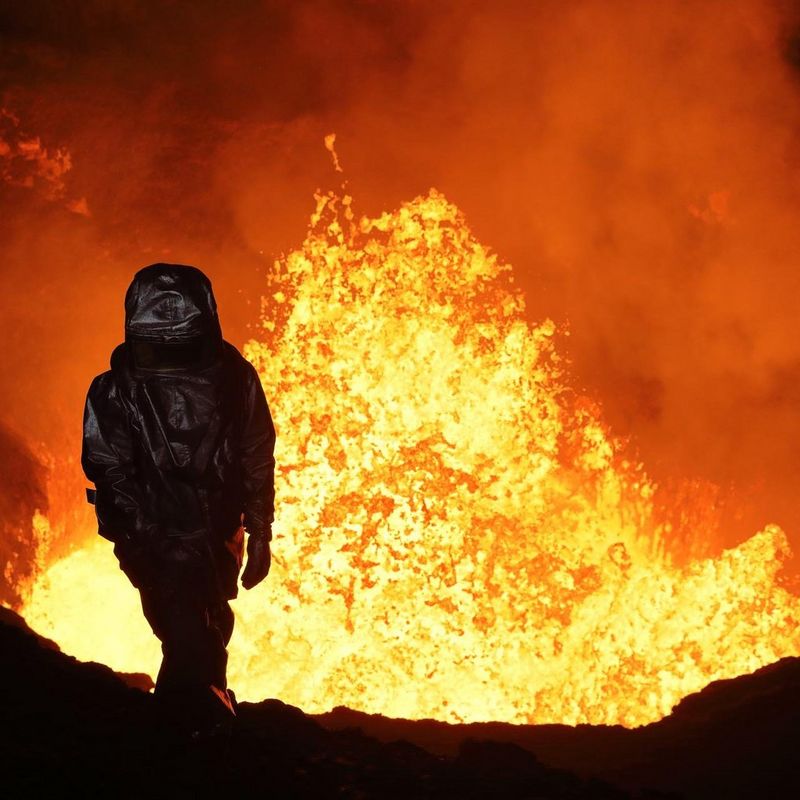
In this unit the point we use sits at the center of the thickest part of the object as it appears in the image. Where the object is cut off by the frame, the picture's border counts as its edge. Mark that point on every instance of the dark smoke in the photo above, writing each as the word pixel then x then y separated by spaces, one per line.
pixel 636 162
pixel 22 493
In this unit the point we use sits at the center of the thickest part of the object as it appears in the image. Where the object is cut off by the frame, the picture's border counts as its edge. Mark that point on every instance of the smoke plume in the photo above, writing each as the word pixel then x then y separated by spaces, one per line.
pixel 636 163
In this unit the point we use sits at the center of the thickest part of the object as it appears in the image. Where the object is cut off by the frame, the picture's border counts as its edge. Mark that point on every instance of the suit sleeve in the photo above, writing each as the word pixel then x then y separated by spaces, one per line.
pixel 107 460
pixel 257 449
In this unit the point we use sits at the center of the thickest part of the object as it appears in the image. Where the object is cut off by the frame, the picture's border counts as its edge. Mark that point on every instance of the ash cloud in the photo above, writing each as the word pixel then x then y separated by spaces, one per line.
pixel 22 493
pixel 637 163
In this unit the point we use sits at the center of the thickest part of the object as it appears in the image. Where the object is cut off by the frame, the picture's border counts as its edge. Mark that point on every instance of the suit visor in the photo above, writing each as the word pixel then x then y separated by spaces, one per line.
pixel 190 354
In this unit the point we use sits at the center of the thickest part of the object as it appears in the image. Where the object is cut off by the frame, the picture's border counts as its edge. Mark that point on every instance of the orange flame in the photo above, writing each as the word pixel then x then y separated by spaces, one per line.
pixel 458 534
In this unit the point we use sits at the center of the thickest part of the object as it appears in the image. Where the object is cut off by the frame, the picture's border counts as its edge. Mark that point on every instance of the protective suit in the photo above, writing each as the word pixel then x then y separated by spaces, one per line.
pixel 178 440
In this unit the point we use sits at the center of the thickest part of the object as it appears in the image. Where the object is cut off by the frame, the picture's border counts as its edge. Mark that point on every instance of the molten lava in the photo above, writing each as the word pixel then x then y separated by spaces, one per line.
pixel 458 534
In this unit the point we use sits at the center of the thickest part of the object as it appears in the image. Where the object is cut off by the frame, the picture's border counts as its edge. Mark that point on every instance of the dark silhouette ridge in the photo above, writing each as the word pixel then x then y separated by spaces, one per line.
pixel 80 726
pixel 76 727
pixel 135 680
pixel 735 738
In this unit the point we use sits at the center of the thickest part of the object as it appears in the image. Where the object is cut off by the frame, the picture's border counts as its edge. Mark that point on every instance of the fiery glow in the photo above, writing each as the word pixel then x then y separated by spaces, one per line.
pixel 458 535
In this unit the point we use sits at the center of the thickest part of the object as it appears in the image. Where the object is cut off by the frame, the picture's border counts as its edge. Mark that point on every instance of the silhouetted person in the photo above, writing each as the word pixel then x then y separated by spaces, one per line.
pixel 178 440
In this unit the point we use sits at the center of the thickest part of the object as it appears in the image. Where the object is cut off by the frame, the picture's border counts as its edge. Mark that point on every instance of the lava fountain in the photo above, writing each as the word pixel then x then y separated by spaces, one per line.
pixel 458 534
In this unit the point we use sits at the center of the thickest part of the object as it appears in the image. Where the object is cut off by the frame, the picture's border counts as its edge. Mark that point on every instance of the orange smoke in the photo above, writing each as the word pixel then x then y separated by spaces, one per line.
pixel 636 162
pixel 458 534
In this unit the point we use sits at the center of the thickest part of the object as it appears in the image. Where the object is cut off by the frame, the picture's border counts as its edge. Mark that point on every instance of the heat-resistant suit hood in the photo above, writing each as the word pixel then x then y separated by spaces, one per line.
pixel 170 303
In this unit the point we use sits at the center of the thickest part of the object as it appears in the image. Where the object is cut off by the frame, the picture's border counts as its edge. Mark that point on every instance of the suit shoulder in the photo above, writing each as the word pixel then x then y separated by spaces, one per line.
pixel 241 363
pixel 102 388
pixel 102 383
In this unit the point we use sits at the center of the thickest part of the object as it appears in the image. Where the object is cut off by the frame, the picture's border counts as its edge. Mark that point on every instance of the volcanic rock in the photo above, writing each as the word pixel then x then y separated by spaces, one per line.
pixel 69 726
pixel 77 728
pixel 736 738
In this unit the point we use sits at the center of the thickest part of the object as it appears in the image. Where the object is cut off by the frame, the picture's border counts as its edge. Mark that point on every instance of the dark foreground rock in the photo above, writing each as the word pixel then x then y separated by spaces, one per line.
pixel 75 729
pixel 736 738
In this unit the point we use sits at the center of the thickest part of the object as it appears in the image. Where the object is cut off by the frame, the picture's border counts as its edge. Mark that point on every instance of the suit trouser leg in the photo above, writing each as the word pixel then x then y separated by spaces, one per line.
pixel 193 635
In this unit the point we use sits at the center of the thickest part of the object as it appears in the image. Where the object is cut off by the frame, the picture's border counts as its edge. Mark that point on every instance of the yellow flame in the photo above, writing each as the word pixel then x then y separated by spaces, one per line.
pixel 458 535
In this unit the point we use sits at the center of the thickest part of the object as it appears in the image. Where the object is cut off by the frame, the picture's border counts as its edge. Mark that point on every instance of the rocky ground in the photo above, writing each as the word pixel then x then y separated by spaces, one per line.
pixel 71 727
pixel 735 739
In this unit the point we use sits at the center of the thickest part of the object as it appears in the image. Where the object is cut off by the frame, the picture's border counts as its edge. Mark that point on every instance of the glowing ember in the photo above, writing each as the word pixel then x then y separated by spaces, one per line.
pixel 458 535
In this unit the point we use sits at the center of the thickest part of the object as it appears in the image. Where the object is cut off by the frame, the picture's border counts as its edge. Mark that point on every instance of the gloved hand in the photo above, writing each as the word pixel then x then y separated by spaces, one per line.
pixel 259 560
